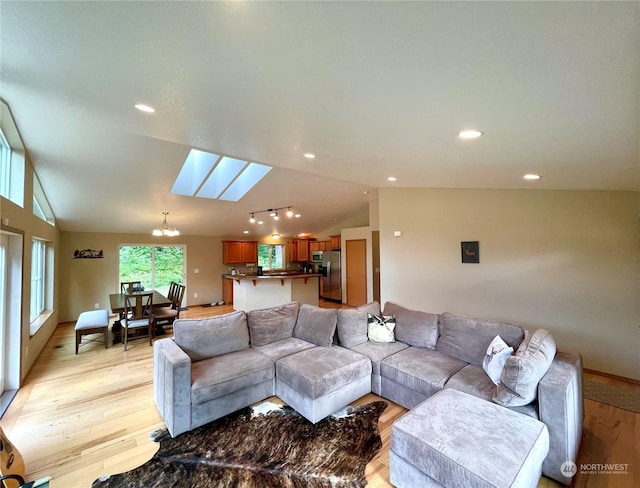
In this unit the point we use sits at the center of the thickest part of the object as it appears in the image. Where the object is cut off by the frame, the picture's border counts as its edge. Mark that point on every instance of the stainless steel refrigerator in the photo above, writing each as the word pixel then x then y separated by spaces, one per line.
pixel 331 276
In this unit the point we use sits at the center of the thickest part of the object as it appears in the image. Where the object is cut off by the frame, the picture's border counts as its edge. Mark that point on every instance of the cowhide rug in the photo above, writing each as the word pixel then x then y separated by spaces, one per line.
pixel 268 445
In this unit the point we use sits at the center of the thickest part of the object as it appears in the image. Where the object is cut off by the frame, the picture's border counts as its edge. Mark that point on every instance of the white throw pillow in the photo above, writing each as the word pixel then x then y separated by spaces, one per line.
pixel 380 328
pixel 497 354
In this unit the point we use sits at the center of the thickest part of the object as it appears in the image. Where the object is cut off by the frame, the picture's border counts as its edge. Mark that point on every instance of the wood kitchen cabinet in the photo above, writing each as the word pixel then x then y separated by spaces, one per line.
pixel 300 250
pixel 335 243
pixel 227 291
pixel 320 246
pixel 293 251
pixel 239 252
pixel 303 250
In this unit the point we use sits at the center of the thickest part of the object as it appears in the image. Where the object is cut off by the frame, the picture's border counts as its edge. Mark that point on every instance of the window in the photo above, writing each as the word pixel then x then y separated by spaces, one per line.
pixel 41 208
pixel 271 256
pixel 154 266
pixel 38 254
pixel 5 166
pixel 12 158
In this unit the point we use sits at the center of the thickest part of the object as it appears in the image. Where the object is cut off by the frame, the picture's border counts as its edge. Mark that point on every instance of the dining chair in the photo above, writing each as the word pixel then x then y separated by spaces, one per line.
pixel 130 287
pixel 138 313
pixel 173 288
pixel 166 315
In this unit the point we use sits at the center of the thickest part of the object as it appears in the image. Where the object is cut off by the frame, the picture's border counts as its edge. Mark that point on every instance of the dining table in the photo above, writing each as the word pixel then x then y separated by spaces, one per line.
pixel 116 301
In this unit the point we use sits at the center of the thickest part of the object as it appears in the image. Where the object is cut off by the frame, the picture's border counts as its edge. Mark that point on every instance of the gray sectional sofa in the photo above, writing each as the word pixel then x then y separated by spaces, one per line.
pixel 318 360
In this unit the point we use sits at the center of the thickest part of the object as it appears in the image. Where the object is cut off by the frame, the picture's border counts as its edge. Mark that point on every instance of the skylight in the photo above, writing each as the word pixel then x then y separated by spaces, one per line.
pixel 209 175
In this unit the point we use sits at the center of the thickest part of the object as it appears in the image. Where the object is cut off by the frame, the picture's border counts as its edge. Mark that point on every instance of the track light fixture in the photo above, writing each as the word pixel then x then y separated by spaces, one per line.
pixel 273 212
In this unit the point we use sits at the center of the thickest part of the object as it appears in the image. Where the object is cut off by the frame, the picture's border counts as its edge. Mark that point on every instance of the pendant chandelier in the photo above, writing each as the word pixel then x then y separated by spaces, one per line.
pixel 164 229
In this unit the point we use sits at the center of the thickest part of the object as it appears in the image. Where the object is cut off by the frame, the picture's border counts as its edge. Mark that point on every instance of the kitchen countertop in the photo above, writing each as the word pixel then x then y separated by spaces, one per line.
pixel 271 276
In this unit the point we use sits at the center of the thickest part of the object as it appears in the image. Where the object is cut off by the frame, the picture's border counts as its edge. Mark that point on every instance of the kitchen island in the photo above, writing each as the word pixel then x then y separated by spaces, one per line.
pixel 251 292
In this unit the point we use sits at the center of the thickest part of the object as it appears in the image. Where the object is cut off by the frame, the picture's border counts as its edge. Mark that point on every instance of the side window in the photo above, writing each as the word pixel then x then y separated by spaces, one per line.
pixel 38 263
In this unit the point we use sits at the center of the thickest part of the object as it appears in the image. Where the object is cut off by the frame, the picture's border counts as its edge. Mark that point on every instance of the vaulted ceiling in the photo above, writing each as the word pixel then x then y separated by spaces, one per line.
pixel 373 89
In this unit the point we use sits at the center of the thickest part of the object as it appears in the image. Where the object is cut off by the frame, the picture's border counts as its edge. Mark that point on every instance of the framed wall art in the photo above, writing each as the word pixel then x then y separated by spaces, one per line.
pixel 470 251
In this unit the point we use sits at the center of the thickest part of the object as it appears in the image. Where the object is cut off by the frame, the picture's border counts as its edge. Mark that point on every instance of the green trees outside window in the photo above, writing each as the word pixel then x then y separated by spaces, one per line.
pixel 155 266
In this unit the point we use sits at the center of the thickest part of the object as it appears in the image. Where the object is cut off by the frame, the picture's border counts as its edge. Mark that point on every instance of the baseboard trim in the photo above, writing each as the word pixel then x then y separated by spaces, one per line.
pixel 612 376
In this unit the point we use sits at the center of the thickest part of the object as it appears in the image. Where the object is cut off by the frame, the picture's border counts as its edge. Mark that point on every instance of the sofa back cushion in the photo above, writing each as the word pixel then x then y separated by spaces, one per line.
pixel 352 324
pixel 415 328
pixel 269 325
pixel 467 338
pixel 316 325
pixel 523 371
pixel 212 336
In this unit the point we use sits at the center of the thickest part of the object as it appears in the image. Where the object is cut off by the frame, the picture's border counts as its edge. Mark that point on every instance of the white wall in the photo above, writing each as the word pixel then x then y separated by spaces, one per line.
pixel 568 261
pixel 19 220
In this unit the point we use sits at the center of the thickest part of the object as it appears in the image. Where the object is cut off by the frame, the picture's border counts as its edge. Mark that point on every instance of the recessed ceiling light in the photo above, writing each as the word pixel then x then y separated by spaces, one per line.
pixel 297 216
pixel 275 236
pixel 531 177
pixel 144 108
pixel 309 156
pixel 392 178
pixel 469 134
pixel 260 222
pixel 245 232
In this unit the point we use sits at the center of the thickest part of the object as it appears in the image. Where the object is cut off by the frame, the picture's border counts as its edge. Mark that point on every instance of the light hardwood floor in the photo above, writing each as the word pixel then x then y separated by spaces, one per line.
pixel 78 417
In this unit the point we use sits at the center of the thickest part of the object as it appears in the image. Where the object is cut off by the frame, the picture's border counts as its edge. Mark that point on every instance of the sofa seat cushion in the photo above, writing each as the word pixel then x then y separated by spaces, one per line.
pixel 272 324
pixel 467 338
pixel 212 336
pixel 285 347
pixel 422 370
pixel 218 376
pixel 319 371
pixel 377 351
pixel 352 324
pixel 413 327
pixel 458 440
pixel 474 381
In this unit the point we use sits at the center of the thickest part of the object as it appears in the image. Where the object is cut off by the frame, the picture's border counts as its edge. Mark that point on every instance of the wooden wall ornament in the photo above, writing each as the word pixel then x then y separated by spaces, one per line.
pixel 88 254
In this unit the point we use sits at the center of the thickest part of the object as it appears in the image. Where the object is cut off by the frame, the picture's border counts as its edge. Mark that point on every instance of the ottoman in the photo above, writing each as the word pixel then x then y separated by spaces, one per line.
pixel 454 439
pixel 317 382
pixel 92 322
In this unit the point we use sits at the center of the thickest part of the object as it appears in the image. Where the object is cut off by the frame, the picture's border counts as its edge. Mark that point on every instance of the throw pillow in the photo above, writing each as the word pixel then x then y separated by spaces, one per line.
pixel 380 328
pixel 497 354
pixel 523 371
